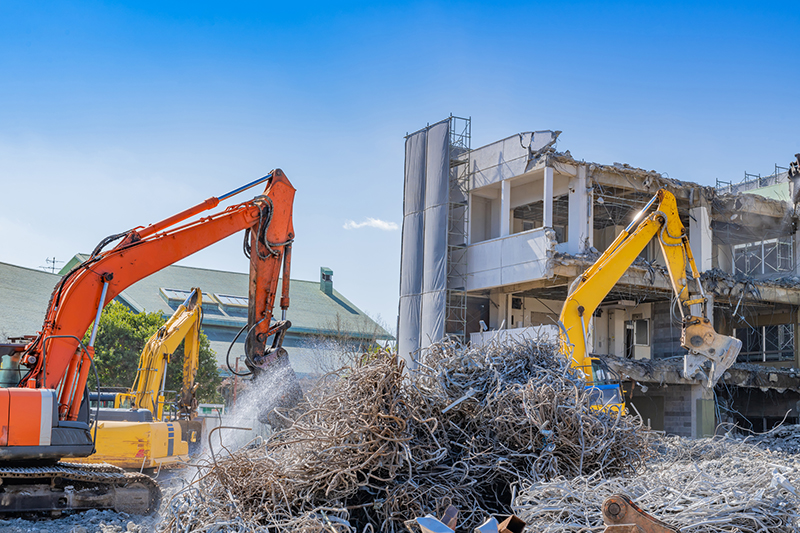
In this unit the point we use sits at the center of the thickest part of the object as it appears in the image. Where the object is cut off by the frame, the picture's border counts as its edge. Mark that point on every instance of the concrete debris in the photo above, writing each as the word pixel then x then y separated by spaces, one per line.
pixel 669 372
pixel 724 283
pixel 548 148
pixel 785 439
pixel 92 521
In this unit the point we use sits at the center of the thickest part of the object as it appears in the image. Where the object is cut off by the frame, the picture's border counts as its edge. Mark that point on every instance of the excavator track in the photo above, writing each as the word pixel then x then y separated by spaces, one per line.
pixel 65 487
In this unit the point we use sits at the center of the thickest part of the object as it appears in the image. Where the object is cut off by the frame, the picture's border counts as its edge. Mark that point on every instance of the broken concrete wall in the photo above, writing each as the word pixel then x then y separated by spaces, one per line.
pixel 666 407
pixel 666 333
pixel 508 157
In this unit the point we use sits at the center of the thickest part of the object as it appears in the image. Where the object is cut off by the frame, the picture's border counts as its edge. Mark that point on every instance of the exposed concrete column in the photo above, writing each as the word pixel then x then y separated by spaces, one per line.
pixel 796 245
pixel 580 205
pixel 796 316
pixel 710 307
pixel 703 413
pixel 505 208
pixel 547 197
pixel 700 237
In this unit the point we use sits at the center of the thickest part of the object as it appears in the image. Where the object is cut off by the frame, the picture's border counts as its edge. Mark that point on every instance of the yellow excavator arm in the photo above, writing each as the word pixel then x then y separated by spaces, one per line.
pixel 148 386
pixel 589 290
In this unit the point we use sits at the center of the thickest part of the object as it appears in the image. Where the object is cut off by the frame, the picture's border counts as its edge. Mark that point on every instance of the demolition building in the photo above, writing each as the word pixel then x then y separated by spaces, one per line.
pixel 494 236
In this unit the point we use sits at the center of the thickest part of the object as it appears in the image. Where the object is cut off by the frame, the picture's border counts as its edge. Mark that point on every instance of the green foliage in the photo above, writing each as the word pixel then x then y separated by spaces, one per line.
pixel 121 337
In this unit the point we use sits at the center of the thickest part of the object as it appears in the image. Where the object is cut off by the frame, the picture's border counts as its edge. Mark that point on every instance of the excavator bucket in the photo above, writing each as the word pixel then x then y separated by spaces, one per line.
pixel 705 344
pixel 287 394
pixel 271 370
pixel 621 515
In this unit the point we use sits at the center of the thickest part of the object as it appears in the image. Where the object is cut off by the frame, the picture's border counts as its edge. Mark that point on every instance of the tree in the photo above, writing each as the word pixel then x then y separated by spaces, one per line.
pixel 121 336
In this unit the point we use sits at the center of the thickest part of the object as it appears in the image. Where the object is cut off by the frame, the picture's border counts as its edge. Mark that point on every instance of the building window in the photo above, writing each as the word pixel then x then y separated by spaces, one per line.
pixel 640 329
pixel 764 257
pixel 764 344
pixel 176 295
pixel 233 301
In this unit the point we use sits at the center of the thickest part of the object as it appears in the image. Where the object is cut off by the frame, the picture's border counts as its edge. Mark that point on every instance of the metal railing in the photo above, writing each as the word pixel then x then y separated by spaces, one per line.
pixel 752 181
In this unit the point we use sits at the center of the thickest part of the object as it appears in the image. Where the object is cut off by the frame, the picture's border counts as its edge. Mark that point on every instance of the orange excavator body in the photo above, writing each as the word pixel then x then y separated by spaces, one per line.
pixel 45 417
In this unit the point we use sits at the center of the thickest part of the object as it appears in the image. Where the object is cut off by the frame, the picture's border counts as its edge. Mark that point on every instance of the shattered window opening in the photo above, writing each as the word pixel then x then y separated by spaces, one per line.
pixel 530 216
pixel 764 344
pixel 640 330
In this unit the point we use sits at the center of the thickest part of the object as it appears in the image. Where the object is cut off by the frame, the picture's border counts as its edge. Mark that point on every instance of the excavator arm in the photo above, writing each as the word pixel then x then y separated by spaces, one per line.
pixel 45 417
pixel 589 290
pixel 59 363
pixel 146 393
pixel 186 402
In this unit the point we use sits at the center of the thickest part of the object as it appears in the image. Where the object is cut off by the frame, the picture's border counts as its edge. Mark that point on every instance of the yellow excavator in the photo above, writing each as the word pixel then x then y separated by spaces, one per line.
pixel 138 433
pixel 588 291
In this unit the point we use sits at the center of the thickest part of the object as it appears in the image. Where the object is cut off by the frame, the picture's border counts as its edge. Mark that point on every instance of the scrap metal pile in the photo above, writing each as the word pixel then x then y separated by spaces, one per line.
pixel 706 485
pixel 376 447
pixel 492 431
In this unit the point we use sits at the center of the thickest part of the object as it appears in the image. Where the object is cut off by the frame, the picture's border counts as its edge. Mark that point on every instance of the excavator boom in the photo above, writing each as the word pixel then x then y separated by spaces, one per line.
pixel 182 326
pixel 588 291
pixel 45 416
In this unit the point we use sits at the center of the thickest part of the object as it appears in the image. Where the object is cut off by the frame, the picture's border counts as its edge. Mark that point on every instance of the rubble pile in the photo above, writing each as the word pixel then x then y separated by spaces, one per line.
pixel 91 521
pixel 379 446
pixel 705 485
pixel 784 439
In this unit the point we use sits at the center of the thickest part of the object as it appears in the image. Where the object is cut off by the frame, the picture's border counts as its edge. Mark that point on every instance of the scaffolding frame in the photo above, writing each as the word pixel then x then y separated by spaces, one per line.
pixel 460 130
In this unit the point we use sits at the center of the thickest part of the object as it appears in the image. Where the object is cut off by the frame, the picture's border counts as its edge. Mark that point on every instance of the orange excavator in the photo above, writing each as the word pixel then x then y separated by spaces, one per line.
pixel 45 416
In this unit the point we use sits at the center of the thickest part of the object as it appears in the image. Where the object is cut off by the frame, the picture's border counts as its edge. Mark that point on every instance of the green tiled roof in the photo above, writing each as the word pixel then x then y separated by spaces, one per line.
pixel 311 311
pixel 24 294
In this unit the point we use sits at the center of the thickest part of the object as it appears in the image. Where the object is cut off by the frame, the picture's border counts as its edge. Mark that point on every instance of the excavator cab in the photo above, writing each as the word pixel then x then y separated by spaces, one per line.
pixel 604 388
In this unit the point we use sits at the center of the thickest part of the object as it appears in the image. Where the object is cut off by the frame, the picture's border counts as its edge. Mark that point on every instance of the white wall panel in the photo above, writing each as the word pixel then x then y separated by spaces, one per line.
pixel 513 259
pixel 423 267
pixel 524 272
pixel 484 256
pixel 411 257
pixel 437 165
pixel 432 323
pixel 411 253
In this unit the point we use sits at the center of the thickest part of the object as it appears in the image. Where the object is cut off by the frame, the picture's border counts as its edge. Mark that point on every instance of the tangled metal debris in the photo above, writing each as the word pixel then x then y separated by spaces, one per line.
pixel 498 430
pixel 377 446
pixel 707 485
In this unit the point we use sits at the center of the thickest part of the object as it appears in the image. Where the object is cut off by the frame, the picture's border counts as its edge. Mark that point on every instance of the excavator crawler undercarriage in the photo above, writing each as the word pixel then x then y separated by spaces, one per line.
pixel 76 487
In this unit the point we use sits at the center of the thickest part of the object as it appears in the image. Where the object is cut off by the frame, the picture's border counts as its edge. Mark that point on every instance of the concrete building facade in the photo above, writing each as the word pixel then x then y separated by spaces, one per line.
pixel 535 220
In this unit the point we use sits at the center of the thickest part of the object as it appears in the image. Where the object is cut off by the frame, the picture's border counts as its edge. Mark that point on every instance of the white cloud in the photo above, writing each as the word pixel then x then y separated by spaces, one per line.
pixel 372 223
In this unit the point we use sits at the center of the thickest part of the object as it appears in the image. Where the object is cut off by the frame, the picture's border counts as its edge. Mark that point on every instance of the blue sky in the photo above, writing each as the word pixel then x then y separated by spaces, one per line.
pixel 114 115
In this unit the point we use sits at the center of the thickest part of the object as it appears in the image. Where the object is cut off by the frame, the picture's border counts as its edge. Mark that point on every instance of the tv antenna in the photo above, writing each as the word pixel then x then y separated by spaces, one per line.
pixel 51 265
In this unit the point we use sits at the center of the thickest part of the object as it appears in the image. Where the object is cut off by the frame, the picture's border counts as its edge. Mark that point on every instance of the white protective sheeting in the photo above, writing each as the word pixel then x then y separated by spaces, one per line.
pixel 414 189
pixel 411 257
pixel 423 264
pixel 432 323
pixel 410 307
